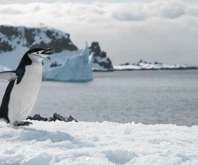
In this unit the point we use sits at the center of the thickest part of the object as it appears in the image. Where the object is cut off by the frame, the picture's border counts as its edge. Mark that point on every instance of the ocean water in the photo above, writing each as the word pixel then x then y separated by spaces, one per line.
pixel 149 97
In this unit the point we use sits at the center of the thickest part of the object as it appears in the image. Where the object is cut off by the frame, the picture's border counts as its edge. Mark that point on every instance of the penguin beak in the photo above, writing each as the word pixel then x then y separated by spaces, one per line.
pixel 48 51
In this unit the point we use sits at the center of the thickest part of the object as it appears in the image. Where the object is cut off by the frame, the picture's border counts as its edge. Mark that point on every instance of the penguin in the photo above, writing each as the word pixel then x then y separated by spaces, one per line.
pixel 23 87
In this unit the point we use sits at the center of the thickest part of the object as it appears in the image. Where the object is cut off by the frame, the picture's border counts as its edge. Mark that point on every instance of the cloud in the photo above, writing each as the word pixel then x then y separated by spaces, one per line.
pixel 99 11
pixel 155 30
pixel 130 13
pixel 9 11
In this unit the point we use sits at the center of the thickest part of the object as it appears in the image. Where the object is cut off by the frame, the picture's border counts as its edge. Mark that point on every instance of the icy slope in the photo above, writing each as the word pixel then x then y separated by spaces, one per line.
pixel 60 143
pixel 73 68
pixel 144 65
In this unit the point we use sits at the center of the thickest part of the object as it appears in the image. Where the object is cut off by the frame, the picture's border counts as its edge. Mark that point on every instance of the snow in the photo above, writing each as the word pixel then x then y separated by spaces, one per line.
pixel 74 68
pixel 97 67
pixel 40 37
pixel 88 143
pixel 41 34
pixel 99 59
pixel 125 67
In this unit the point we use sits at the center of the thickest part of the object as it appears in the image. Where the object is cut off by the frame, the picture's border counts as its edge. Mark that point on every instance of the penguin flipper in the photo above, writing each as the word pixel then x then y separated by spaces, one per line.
pixel 8 75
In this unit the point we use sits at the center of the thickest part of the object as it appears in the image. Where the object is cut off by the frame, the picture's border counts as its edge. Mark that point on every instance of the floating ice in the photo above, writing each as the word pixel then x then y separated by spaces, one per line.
pixel 74 68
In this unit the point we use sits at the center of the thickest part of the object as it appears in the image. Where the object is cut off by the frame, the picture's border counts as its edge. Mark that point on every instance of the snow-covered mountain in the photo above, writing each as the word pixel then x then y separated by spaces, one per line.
pixel 15 41
pixel 144 65
pixel 100 60
pixel 13 37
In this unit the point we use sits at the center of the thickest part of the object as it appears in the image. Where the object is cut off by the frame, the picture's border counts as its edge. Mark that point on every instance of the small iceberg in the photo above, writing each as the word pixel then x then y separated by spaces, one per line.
pixel 76 68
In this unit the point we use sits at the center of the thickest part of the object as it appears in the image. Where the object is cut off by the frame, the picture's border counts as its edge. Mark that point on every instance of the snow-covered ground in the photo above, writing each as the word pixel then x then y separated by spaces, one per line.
pixel 92 143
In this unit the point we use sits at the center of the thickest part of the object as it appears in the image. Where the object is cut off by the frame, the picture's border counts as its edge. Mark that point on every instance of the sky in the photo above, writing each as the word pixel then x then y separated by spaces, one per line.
pixel 128 30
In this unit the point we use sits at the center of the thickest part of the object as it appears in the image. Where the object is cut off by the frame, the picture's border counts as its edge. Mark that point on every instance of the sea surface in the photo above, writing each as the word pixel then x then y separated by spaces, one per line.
pixel 149 97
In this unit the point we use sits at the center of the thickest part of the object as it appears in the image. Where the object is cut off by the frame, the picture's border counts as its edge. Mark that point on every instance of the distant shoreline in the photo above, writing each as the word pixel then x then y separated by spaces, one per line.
pixel 120 70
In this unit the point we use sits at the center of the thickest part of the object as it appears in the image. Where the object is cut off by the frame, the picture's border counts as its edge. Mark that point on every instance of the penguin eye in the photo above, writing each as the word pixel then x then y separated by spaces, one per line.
pixel 37 53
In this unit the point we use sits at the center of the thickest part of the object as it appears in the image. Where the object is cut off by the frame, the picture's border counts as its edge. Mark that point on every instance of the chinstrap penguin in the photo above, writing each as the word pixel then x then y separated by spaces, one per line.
pixel 23 88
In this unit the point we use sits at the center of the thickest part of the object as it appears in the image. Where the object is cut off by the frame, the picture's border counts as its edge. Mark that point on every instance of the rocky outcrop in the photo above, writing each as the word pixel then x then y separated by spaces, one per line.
pixel 100 59
pixel 55 117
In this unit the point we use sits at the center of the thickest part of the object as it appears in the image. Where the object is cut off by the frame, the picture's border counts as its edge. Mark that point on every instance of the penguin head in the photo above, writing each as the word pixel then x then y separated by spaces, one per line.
pixel 38 54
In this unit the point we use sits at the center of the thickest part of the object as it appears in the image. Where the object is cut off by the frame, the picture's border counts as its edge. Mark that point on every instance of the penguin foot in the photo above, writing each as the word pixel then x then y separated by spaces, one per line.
pixel 22 123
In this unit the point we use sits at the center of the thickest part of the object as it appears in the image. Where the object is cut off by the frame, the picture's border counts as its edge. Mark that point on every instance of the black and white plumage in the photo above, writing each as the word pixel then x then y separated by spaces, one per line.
pixel 23 88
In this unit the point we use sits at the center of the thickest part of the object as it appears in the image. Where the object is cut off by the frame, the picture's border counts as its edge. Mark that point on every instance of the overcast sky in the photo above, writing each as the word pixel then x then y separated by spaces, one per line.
pixel 128 30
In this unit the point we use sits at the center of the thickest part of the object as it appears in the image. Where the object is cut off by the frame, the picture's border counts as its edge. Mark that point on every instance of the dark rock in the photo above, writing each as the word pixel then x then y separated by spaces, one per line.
pixel 9 31
pixel 29 118
pixel 59 45
pixel 29 35
pixel 54 64
pixel 103 54
pixel 51 119
pixel 50 34
pixel 5 47
pixel 140 61
pixel 97 53
pixel 159 63
pixel 125 64
pixel 70 118
pixel 37 117
pixel 95 47
pixel 56 116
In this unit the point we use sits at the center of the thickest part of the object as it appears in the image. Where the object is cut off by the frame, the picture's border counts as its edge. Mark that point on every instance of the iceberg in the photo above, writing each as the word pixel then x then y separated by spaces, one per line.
pixel 77 67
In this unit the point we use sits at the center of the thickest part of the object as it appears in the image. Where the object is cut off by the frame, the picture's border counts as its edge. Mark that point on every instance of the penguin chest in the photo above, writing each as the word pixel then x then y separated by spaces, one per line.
pixel 25 93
